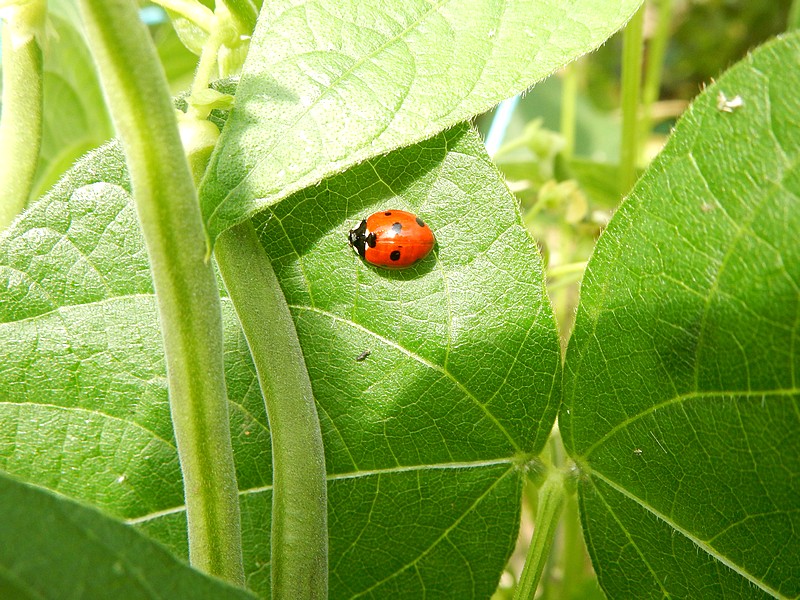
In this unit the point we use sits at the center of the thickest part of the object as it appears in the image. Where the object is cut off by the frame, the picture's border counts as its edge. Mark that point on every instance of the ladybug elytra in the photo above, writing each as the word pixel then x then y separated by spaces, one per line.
pixel 392 239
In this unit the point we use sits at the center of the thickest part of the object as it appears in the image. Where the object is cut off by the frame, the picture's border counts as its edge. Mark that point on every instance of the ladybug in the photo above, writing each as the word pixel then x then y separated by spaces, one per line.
pixel 392 239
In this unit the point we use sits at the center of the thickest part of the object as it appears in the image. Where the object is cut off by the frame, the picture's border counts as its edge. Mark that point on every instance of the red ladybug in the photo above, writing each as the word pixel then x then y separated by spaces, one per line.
pixel 392 239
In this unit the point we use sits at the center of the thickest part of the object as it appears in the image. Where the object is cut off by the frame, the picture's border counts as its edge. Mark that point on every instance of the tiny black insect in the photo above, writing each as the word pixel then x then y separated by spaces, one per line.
pixel 363 356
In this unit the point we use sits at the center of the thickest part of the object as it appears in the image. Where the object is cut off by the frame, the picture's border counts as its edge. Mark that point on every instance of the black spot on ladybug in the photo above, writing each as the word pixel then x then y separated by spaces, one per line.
pixel 420 222
pixel 395 255
pixel 371 240
pixel 396 228
pixel 388 213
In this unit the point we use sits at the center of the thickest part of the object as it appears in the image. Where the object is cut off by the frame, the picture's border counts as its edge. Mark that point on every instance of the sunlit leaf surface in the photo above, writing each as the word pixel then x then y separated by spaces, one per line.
pixel 426 437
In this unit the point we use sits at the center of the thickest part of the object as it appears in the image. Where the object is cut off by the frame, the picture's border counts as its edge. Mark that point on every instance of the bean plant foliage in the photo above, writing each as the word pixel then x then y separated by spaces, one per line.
pixel 680 383
pixel 427 439
pixel 437 387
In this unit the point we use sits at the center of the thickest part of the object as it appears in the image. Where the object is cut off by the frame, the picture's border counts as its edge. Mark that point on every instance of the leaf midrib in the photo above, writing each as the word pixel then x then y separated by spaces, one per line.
pixel 420 359
pixel 677 400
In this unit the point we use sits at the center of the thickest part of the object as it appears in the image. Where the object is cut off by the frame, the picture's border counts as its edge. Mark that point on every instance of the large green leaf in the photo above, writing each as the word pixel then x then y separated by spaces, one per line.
pixel 328 84
pixel 681 388
pixel 55 548
pixel 426 438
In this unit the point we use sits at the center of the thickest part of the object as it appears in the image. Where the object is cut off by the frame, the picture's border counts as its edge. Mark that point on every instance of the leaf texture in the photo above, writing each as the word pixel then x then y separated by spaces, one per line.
pixel 426 438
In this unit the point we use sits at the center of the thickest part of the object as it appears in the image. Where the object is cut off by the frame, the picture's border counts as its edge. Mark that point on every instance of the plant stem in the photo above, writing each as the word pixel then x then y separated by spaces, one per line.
pixel 186 289
pixel 631 88
pixel 244 13
pixel 551 502
pixel 205 69
pixel 299 496
pixel 655 63
pixel 567 269
pixel 519 142
pixel 21 120
pixel 573 550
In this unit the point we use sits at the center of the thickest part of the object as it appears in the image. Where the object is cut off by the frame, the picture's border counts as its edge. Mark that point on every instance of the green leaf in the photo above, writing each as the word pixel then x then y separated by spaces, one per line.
pixel 51 547
pixel 75 115
pixel 426 439
pixel 330 84
pixel 681 389
pixel 244 13
pixel 433 328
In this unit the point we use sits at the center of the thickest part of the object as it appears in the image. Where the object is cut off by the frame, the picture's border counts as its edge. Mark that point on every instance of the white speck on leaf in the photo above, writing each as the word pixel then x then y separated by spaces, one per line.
pixel 728 106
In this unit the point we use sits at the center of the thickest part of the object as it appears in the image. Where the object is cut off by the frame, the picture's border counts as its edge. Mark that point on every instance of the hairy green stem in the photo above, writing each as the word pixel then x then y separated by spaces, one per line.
pixel 299 538
pixel 186 289
pixel 657 47
pixel 548 512
pixel 631 89
pixel 21 118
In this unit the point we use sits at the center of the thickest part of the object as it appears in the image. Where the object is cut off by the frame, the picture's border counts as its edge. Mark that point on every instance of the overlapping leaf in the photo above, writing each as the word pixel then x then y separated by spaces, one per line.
pixel 328 84
pixel 55 548
pixel 681 382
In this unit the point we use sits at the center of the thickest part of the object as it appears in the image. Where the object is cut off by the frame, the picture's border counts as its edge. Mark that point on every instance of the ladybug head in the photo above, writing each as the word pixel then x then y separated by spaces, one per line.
pixel 360 237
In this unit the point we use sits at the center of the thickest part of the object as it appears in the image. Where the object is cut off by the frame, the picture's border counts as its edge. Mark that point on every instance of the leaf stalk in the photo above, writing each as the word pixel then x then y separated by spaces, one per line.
pixel 552 495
